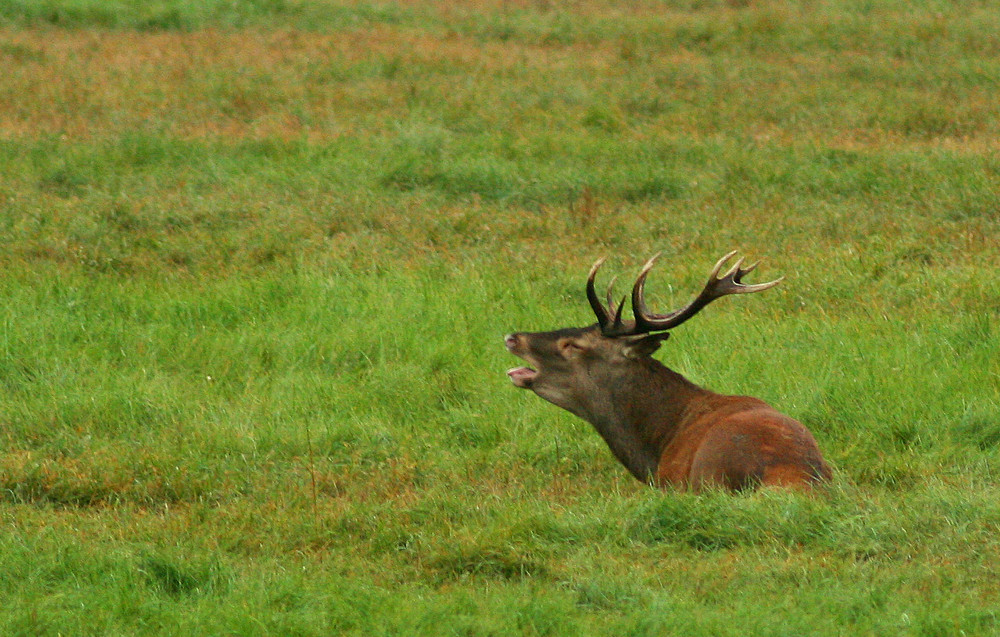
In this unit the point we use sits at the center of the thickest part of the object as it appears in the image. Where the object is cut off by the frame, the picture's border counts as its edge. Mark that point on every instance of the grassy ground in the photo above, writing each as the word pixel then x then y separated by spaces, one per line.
pixel 259 258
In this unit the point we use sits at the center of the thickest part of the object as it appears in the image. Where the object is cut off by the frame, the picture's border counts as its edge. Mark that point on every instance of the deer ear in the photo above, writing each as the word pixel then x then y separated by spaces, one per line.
pixel 644 345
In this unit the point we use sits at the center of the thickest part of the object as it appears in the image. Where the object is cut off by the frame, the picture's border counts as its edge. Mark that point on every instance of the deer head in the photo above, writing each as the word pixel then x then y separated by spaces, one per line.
pixel 570 365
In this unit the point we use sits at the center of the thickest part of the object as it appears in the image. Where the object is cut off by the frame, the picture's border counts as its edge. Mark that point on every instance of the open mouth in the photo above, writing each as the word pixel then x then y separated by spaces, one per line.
pixel 522 376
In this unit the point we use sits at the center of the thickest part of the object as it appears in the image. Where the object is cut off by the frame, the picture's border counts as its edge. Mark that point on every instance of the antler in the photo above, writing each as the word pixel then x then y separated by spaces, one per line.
pixel 610 317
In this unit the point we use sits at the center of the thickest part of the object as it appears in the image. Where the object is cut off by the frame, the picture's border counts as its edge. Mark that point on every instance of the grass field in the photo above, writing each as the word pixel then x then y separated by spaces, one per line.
pixel 259 258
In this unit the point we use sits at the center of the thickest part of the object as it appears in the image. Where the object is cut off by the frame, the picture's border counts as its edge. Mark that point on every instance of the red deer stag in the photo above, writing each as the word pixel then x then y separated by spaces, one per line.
pixel 663 428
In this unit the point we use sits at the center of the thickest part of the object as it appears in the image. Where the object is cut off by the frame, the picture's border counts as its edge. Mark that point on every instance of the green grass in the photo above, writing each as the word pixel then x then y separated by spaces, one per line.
pixel 259 258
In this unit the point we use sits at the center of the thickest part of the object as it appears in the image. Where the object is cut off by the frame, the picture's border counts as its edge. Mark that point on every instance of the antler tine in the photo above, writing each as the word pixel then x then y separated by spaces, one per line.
pixel 756 287
pixel 611 294
pixel 642 315
pixel 603 316
pixel 618 328
pixel 735 270
pixel 718 265
pixel 747 270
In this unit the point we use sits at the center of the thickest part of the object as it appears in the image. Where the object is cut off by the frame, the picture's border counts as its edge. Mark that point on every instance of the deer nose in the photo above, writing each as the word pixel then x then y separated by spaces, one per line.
pixel 510 341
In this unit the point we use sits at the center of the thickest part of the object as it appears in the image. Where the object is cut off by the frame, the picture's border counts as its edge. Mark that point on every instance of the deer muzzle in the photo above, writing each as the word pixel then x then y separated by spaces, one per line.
pixel 521 376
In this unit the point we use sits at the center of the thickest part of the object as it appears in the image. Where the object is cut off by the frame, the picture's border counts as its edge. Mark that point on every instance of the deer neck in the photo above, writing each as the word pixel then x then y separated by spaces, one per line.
pixel 645 408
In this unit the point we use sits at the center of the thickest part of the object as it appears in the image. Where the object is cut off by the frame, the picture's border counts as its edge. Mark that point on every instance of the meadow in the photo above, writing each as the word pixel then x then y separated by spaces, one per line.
pixel 259 258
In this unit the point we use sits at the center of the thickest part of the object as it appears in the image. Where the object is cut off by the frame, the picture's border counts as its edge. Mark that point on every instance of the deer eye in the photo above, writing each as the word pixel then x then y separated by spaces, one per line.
pixel 569 348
